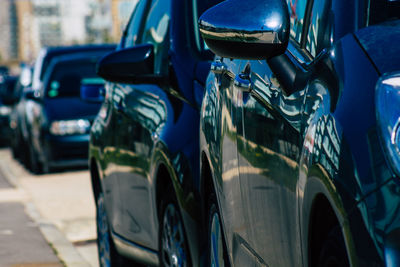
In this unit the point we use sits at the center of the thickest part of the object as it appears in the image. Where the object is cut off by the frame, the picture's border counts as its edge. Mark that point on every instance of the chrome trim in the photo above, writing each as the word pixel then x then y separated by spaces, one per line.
pixel 257 37
pixel 136 252
pixel 264 22
pixel 243 83
pixel 218 67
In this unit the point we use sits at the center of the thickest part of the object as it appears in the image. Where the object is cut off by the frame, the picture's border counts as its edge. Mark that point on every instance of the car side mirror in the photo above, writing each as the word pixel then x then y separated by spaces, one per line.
pixel 246 30
pixel 92 92
pixel 33 95
pixel 132 65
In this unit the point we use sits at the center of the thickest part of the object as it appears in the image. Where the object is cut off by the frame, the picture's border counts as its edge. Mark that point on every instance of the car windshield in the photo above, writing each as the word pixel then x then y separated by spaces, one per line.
pixel 66 78
pixel 383 11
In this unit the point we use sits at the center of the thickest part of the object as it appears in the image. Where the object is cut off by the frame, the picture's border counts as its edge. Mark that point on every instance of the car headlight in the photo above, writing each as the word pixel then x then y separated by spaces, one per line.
pixel 5 111
pixel 70 127
pixel 387 102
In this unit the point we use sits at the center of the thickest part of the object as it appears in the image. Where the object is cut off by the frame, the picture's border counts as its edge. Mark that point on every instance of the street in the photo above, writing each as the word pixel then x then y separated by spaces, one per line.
pixel 46 220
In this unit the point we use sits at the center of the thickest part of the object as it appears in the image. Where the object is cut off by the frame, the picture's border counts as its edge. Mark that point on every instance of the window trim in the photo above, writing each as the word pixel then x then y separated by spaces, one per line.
pixel 143 19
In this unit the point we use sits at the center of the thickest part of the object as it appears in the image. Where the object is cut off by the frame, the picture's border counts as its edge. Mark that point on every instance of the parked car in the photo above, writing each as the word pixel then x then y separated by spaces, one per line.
pixel 299 133
pixel 144 145
pixel 4 71
pixel 7 85
pixel 17 114
pixel 31 105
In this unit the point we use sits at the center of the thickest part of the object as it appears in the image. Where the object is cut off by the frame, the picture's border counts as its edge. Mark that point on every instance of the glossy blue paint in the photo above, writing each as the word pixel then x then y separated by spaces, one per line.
pixel 299 155
pixel 145 139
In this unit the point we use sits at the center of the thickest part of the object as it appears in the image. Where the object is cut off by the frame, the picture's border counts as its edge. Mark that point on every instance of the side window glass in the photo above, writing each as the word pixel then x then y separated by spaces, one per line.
pixel 156 31
pixel 132 31
pixel 297 9
pixel 200 8
pixel 320 34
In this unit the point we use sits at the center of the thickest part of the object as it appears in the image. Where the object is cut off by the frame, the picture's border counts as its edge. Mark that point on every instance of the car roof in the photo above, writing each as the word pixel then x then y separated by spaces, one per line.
pixel 48 53
pixel 52 51
pixel 87 55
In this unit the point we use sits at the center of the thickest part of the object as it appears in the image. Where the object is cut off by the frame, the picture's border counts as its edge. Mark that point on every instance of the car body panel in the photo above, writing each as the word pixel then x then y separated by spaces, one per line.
pixel 145 138
pixel 318 142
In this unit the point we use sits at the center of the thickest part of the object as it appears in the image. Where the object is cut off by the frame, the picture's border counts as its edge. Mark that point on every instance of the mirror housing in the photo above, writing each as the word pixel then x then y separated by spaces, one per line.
pixel 92 92
pixel 247 30
pixel 33 95
pixel 132 65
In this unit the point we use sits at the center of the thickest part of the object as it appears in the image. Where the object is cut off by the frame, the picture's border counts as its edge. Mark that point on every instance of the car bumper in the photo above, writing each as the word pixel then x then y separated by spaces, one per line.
pixel 65 151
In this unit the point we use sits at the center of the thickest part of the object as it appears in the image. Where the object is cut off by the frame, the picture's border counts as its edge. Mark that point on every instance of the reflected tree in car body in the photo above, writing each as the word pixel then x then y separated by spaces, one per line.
pixel 291 138
pixel 144 151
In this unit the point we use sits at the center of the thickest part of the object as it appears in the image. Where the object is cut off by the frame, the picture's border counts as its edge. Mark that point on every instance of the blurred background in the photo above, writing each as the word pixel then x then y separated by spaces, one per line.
pixel 28 25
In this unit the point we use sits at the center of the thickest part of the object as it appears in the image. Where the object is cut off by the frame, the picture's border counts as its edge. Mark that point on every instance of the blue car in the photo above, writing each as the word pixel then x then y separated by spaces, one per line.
pixel 144 144
pixel 58 120
pixel 300 155
pixel 7 98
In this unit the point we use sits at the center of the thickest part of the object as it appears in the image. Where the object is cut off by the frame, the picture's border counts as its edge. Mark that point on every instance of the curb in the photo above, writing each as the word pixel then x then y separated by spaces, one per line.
pixel 63 248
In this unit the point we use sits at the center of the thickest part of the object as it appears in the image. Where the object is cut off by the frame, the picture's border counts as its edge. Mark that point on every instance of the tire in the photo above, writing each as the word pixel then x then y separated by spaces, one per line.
pixel 45 168
pixel 15 152
pixel 173 248
pixel 217 252
pixel 108 255
pixel 333 251
pixel 34 163
pixel 24 154
pixel 15 146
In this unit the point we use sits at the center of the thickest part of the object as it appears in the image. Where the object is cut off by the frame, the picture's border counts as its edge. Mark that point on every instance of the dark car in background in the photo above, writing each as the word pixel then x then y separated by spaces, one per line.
pixel 4 70
pixel 60 118
pixel 29 105
pixel 144 143
pixel 300 133
pixel 23 85
pixel 7 86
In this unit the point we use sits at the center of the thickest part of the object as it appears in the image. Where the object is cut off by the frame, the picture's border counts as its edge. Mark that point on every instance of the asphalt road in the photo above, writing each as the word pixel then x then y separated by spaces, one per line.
pixel 45 220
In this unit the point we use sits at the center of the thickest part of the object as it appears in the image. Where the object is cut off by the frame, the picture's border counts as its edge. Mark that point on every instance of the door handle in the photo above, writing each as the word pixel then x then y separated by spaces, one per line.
pixel 243 81
pixel 118 106
pixel 218 67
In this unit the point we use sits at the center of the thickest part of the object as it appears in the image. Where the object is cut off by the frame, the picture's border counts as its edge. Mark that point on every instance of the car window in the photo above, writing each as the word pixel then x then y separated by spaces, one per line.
pixel 199 8
pixel 156 31
pixel 66 78
pixel 297 9
pixel 383 11
pixel 320 34
pixel 132 31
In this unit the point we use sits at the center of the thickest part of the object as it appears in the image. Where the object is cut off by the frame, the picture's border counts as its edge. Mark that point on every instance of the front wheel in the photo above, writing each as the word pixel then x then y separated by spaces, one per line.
pixel 333 252
pixel 217 255
pixel 108 255
pixel 34 163
pixel 173 251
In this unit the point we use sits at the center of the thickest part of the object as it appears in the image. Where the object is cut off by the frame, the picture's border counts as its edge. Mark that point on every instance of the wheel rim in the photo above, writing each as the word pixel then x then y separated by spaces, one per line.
pixel 216 246
pixel 103 234
pixel 173 249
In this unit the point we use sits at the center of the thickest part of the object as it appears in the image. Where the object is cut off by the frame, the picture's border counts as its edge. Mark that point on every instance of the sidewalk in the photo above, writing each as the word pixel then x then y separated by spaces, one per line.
pixel 62 207
pixel 21 242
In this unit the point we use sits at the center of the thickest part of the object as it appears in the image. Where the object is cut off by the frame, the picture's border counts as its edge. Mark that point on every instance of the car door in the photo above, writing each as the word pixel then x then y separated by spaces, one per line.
pixel 228 187
pixel 268 151
pixel 113 136
pixel 142 110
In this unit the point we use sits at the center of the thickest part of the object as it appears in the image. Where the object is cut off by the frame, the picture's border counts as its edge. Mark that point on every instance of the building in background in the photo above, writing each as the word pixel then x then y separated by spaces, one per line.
pixel 121 11
pixel 28 25
pixel 25 33
pixel 8 30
